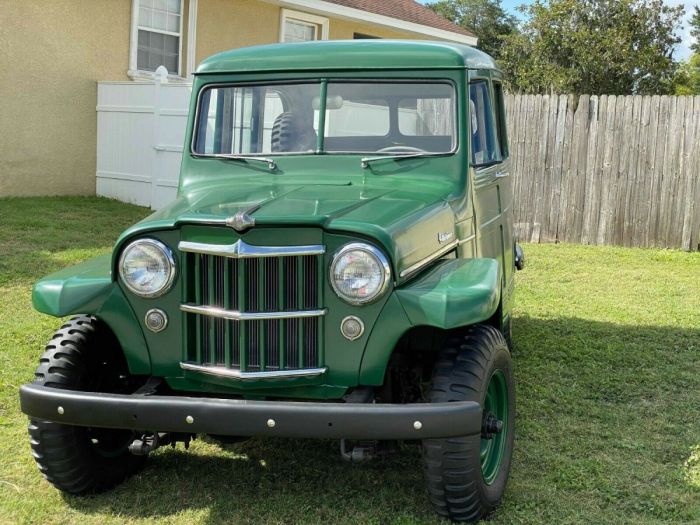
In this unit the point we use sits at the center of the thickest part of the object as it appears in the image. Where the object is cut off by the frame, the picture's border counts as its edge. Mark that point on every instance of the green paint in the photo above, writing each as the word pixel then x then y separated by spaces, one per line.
pixel 71 290
pixel 454 293
pixel 407 209
pixel 338 55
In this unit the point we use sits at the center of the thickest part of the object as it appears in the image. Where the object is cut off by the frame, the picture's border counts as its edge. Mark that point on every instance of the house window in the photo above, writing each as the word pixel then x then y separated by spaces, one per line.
pixel 156 35
pixel 302 27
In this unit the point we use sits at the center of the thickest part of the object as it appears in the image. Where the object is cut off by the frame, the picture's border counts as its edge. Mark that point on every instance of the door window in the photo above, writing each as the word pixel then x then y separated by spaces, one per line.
pixel 484 142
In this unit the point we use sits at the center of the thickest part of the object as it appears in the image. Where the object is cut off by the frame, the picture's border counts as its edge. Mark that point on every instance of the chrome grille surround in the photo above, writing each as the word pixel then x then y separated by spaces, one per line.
pixel 253 312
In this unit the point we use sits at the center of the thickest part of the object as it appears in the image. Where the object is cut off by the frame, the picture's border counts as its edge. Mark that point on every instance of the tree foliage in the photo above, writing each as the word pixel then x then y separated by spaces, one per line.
pixel 485 18
pixel 687 81
pixel 695 30
pixel 612 47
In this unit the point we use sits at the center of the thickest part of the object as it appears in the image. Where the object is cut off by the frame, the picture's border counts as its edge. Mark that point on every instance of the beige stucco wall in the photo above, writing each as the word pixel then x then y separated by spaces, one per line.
pixel 53 52
pixel 345 30
pixel 227 24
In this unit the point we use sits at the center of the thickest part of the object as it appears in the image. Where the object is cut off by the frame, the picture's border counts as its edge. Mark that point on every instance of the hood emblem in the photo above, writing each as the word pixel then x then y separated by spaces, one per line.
pixel 444 237
pixel 242 220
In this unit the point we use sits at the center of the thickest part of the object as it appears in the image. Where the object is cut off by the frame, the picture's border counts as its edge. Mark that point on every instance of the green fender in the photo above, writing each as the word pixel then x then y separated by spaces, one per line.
pixel 88 288
pixel 453 293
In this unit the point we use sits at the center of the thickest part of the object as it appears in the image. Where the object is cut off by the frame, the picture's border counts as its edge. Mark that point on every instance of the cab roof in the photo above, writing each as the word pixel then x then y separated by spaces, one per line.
pixel 340 55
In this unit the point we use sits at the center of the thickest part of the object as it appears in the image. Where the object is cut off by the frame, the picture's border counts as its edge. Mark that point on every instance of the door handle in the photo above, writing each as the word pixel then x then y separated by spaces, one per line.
pixel 501 174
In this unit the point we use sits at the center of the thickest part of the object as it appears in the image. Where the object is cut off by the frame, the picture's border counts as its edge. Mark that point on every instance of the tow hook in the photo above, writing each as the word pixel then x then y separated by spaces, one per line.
pixel 490 425
pixel 364 450
pixel 151 441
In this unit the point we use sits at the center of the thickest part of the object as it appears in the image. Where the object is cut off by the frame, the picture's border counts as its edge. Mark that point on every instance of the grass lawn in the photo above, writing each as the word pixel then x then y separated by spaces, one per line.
pixel 608 421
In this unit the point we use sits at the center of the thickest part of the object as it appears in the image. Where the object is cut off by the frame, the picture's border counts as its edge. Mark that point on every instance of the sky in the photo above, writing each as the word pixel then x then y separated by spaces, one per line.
pixel 682 51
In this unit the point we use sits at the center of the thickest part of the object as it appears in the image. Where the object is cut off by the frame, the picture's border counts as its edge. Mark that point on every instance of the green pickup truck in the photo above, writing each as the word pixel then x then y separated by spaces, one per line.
pixel 339 263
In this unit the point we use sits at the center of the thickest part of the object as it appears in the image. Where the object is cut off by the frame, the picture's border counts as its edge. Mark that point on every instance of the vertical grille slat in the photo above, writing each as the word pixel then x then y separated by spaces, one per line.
pixel 259 284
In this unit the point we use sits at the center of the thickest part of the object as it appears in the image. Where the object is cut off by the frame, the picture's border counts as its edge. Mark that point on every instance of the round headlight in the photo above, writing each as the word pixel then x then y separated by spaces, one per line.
pixel 359 273
pixel 147 267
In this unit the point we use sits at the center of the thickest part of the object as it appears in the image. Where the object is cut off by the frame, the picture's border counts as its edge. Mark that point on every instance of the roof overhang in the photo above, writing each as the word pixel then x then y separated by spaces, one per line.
pixel 358 15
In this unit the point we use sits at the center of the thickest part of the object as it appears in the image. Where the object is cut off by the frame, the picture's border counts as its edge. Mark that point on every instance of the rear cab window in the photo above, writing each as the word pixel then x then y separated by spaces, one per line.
pixel 486 130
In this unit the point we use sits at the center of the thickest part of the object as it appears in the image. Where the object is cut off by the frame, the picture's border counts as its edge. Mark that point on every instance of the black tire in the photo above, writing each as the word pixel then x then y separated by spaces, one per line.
pixel 453 469
pixel 290 135
pixel 83 355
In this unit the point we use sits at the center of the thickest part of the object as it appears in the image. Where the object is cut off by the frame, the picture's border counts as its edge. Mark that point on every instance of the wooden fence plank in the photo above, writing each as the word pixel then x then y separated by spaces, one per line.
pixel 606 170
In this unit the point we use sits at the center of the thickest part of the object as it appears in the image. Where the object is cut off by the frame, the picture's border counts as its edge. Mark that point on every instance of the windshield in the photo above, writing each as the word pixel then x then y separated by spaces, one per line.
pixel 359 117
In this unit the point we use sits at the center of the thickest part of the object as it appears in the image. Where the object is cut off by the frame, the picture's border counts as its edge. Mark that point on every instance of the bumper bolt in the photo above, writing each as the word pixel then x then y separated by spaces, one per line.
pixel 60 410
pixel 189 419
pixel 271 423
pixel 417 425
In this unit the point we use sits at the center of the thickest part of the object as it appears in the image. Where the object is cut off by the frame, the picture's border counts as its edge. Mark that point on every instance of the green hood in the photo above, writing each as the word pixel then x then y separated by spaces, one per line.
pixel 405 222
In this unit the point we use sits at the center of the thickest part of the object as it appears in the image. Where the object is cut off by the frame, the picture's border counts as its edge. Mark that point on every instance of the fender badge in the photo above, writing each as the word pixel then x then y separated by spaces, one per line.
pixel 241 220
pixel 444 236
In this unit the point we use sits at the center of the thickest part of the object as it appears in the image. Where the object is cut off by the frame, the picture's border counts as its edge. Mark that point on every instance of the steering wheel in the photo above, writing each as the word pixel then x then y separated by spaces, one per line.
pixel 399 149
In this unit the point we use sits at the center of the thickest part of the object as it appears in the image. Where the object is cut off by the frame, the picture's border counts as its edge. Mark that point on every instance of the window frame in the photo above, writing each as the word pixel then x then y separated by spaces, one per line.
pixel 305 18
pixel 134 72
pixel 457 132
pixel 494 118
pixel 499 108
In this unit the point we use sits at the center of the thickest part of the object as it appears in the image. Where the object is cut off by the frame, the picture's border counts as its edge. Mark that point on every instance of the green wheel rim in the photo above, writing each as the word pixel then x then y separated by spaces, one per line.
pixel 492 450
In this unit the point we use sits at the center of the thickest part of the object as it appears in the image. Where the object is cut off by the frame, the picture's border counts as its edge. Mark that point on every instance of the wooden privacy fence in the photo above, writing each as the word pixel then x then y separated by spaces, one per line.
pixel 621 170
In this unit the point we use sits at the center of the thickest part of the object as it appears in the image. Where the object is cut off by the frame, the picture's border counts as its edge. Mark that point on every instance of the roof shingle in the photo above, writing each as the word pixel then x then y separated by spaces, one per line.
pixel 406 10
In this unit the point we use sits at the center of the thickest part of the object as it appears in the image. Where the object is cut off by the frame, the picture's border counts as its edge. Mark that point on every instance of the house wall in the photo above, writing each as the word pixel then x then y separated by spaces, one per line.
pixel 54 53
pixel 345 30
pixel 226 24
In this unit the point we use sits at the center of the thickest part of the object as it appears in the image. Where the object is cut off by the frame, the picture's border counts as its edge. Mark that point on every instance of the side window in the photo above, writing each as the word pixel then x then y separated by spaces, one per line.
pixel 485 148
pixel 500 119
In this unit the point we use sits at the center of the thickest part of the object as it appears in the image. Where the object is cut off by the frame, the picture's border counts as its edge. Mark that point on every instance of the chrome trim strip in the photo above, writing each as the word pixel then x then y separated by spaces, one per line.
pixel 234 315
pixel 430 258
pixel 243 250
pixel 232 373
pixel 467 239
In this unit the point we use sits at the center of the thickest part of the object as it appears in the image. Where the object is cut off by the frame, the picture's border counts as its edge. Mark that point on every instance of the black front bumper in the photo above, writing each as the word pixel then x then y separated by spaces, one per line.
pixel 235 417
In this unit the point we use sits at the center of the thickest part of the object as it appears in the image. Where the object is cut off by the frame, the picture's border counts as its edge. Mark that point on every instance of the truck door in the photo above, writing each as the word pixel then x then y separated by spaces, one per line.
pixel 491 180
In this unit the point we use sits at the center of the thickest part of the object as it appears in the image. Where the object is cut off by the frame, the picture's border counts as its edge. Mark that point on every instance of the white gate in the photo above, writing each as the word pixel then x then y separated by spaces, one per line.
pixel 140 133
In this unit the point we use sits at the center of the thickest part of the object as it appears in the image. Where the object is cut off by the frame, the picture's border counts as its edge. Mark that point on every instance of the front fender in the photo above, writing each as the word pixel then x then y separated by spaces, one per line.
pixel 454 293
pixel 75 289
pixel 88 288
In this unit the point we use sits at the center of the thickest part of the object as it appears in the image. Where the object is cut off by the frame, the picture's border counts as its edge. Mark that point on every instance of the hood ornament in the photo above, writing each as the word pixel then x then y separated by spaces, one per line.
pixel 242 220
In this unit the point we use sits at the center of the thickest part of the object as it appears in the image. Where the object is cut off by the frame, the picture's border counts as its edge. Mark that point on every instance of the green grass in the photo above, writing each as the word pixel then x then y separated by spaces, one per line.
pixel 608 419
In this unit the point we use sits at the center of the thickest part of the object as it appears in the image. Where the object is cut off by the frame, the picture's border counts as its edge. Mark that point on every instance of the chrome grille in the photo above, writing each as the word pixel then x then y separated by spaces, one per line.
pixel 252 309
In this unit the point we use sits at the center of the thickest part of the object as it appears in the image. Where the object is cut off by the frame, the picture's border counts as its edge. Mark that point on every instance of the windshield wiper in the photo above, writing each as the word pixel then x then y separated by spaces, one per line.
pixel 271 164
pixel 365 162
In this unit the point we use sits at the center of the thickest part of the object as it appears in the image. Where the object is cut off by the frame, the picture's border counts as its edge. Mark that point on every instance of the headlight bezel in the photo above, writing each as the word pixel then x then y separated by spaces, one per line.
pixel 168 256
pixel 372 251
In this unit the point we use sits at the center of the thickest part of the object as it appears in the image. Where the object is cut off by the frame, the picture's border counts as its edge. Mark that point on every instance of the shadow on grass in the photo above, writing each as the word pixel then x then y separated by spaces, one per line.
pixel 602 410
pixel 271 481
